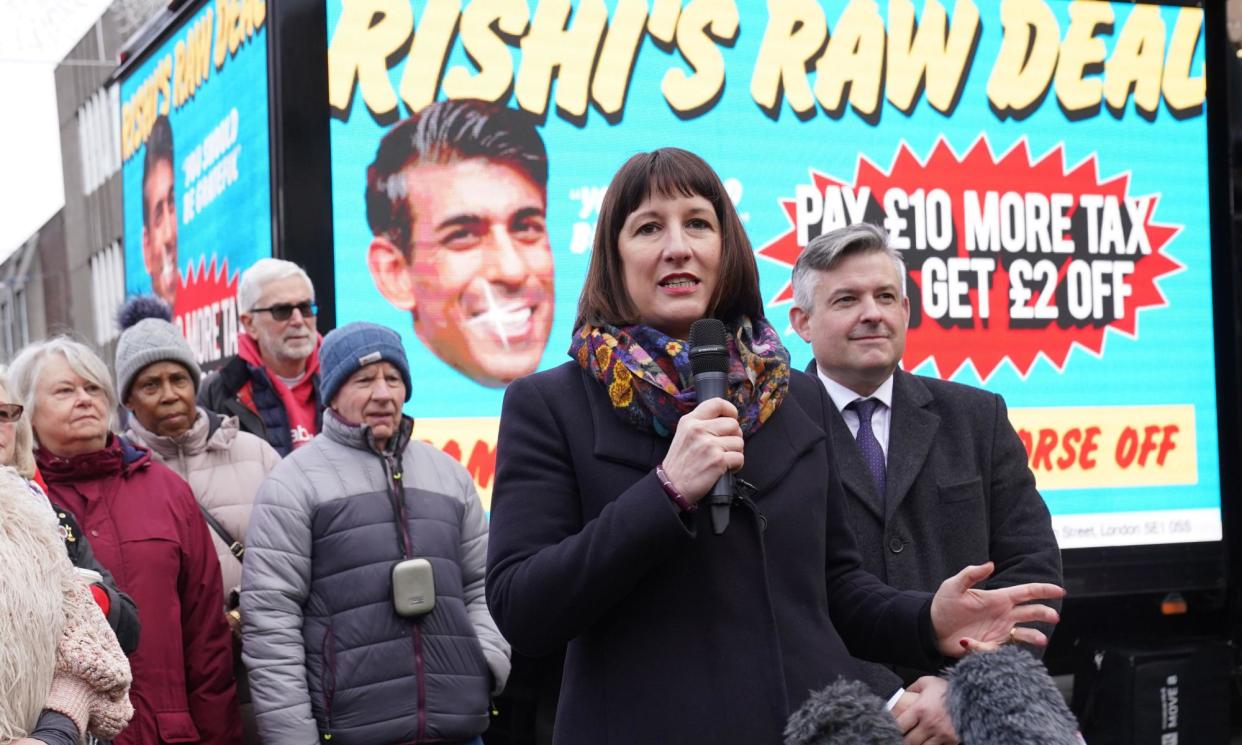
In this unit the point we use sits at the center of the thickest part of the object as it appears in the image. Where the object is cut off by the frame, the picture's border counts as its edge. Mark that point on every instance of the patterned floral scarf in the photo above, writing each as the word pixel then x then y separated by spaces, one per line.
pixel 650 384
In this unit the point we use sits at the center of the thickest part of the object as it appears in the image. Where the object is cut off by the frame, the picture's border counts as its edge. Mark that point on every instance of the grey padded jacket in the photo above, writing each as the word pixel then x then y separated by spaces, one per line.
pixel 327 653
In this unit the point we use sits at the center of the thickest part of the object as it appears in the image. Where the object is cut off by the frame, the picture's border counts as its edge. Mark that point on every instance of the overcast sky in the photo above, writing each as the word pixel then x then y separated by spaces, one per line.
pixel 34 36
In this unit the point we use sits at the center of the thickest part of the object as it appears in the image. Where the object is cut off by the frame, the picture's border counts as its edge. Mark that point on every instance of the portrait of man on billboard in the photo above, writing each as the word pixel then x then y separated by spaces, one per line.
pixel 457 204
pixel 159 212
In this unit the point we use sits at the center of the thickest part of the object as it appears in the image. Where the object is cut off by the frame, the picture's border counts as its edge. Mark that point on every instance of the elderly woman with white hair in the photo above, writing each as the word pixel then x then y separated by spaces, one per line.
pixel 17 452
pixel 146 528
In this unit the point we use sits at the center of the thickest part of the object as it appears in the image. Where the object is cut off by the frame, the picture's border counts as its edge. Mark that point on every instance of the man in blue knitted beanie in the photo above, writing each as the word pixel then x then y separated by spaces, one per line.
pixel 364 618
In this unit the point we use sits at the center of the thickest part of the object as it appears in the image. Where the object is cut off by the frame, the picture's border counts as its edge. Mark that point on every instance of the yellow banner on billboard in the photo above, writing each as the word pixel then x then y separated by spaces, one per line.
pixel 1083 447
pixel 1109 446
pixel 471 441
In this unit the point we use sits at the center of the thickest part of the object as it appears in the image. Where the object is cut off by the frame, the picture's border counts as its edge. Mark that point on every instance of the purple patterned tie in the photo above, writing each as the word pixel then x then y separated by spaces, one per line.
pixel 868 445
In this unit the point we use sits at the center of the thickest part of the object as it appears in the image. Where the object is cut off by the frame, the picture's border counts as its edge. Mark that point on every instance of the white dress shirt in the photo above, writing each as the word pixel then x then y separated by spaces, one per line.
pixel 842 397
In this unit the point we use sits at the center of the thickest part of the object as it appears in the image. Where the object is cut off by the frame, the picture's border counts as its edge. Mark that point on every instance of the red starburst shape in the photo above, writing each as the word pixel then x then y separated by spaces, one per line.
pixel 204 285
pixel 1014 328
pixel 206 310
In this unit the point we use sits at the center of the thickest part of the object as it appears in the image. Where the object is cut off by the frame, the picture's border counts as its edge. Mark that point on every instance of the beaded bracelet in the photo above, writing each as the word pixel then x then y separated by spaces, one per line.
pixel 672 492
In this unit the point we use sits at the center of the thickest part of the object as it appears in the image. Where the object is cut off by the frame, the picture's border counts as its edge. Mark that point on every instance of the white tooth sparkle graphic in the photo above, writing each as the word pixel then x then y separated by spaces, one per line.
pixel 501 319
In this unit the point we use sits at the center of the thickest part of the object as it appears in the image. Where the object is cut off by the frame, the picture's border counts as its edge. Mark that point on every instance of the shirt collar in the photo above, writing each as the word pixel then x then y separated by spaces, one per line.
pixel 842 396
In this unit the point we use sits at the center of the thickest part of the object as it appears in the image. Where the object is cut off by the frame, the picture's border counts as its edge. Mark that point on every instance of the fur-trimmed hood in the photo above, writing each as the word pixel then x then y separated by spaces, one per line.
pixel 36 573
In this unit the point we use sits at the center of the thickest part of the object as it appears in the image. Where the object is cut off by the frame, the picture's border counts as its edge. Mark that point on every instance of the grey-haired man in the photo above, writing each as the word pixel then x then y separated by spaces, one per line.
pixel 934 474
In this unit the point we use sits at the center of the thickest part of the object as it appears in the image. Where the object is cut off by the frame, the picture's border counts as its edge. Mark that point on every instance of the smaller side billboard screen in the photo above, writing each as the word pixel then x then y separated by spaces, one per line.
pixel 196 165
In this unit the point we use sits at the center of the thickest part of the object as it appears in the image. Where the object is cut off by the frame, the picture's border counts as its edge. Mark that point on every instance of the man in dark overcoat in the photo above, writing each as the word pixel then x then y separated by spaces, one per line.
pixel 934 474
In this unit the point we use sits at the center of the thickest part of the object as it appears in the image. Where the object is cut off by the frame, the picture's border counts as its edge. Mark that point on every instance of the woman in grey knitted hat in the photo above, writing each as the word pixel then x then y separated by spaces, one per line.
pixel 157 381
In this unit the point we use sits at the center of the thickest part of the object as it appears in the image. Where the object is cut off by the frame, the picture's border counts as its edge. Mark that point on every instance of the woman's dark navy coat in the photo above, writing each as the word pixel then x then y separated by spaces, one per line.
pixel 677 635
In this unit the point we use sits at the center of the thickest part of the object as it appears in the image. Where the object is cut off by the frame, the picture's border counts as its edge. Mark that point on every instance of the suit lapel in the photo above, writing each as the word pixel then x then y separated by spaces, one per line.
pixel 910 432
pixel 855 475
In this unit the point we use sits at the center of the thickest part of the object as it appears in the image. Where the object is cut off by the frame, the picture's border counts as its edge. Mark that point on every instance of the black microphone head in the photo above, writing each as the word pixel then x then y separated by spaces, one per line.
pixel 1006 697
pixel 709 351
pixel 844 713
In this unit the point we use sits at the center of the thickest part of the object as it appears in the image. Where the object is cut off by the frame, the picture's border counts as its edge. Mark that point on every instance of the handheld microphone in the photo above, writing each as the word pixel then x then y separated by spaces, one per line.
pixel 844 713
pixel 709 365
pixel 1006 697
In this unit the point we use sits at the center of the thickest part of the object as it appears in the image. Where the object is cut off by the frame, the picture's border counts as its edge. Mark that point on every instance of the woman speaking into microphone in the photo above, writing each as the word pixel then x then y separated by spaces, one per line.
pixel 676 633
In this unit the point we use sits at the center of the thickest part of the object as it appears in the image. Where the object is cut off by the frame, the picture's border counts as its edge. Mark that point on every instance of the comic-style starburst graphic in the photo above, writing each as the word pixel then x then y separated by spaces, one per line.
pixel 1109 211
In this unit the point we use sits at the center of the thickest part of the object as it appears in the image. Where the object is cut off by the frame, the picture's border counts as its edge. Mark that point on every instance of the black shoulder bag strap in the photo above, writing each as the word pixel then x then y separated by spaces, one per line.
pixel 235 546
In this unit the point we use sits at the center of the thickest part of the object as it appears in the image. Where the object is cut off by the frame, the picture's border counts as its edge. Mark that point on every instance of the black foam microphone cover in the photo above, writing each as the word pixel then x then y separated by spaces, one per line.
pixel 709 351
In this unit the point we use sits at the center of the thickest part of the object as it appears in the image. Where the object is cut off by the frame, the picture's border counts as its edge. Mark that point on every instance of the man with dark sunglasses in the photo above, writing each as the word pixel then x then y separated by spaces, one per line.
pixel 272 385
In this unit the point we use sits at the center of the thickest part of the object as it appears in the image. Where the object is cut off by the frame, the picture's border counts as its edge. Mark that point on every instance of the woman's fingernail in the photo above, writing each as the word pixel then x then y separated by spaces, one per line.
pixel 965 644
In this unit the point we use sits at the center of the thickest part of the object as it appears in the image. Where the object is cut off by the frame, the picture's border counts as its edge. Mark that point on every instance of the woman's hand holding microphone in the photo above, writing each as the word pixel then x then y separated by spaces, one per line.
pixel 708 443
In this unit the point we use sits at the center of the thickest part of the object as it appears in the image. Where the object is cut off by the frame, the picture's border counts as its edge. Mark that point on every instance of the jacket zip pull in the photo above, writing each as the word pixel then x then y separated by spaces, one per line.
pixel 394 466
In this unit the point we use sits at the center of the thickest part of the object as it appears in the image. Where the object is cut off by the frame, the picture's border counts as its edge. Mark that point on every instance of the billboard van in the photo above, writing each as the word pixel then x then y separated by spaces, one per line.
pixel 1043 166
pixel 196 167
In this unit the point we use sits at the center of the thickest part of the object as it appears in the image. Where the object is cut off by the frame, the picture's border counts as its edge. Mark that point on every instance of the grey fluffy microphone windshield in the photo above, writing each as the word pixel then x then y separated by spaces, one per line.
pixel 844 713
pixel 1006 697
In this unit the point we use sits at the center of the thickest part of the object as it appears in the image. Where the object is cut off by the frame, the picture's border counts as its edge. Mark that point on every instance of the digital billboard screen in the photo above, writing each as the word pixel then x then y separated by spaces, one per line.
pixel 196 168
pixel 1042 164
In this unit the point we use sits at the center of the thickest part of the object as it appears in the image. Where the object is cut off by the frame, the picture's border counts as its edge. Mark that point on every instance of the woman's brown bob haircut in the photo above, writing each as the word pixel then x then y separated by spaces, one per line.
pixel 669 172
